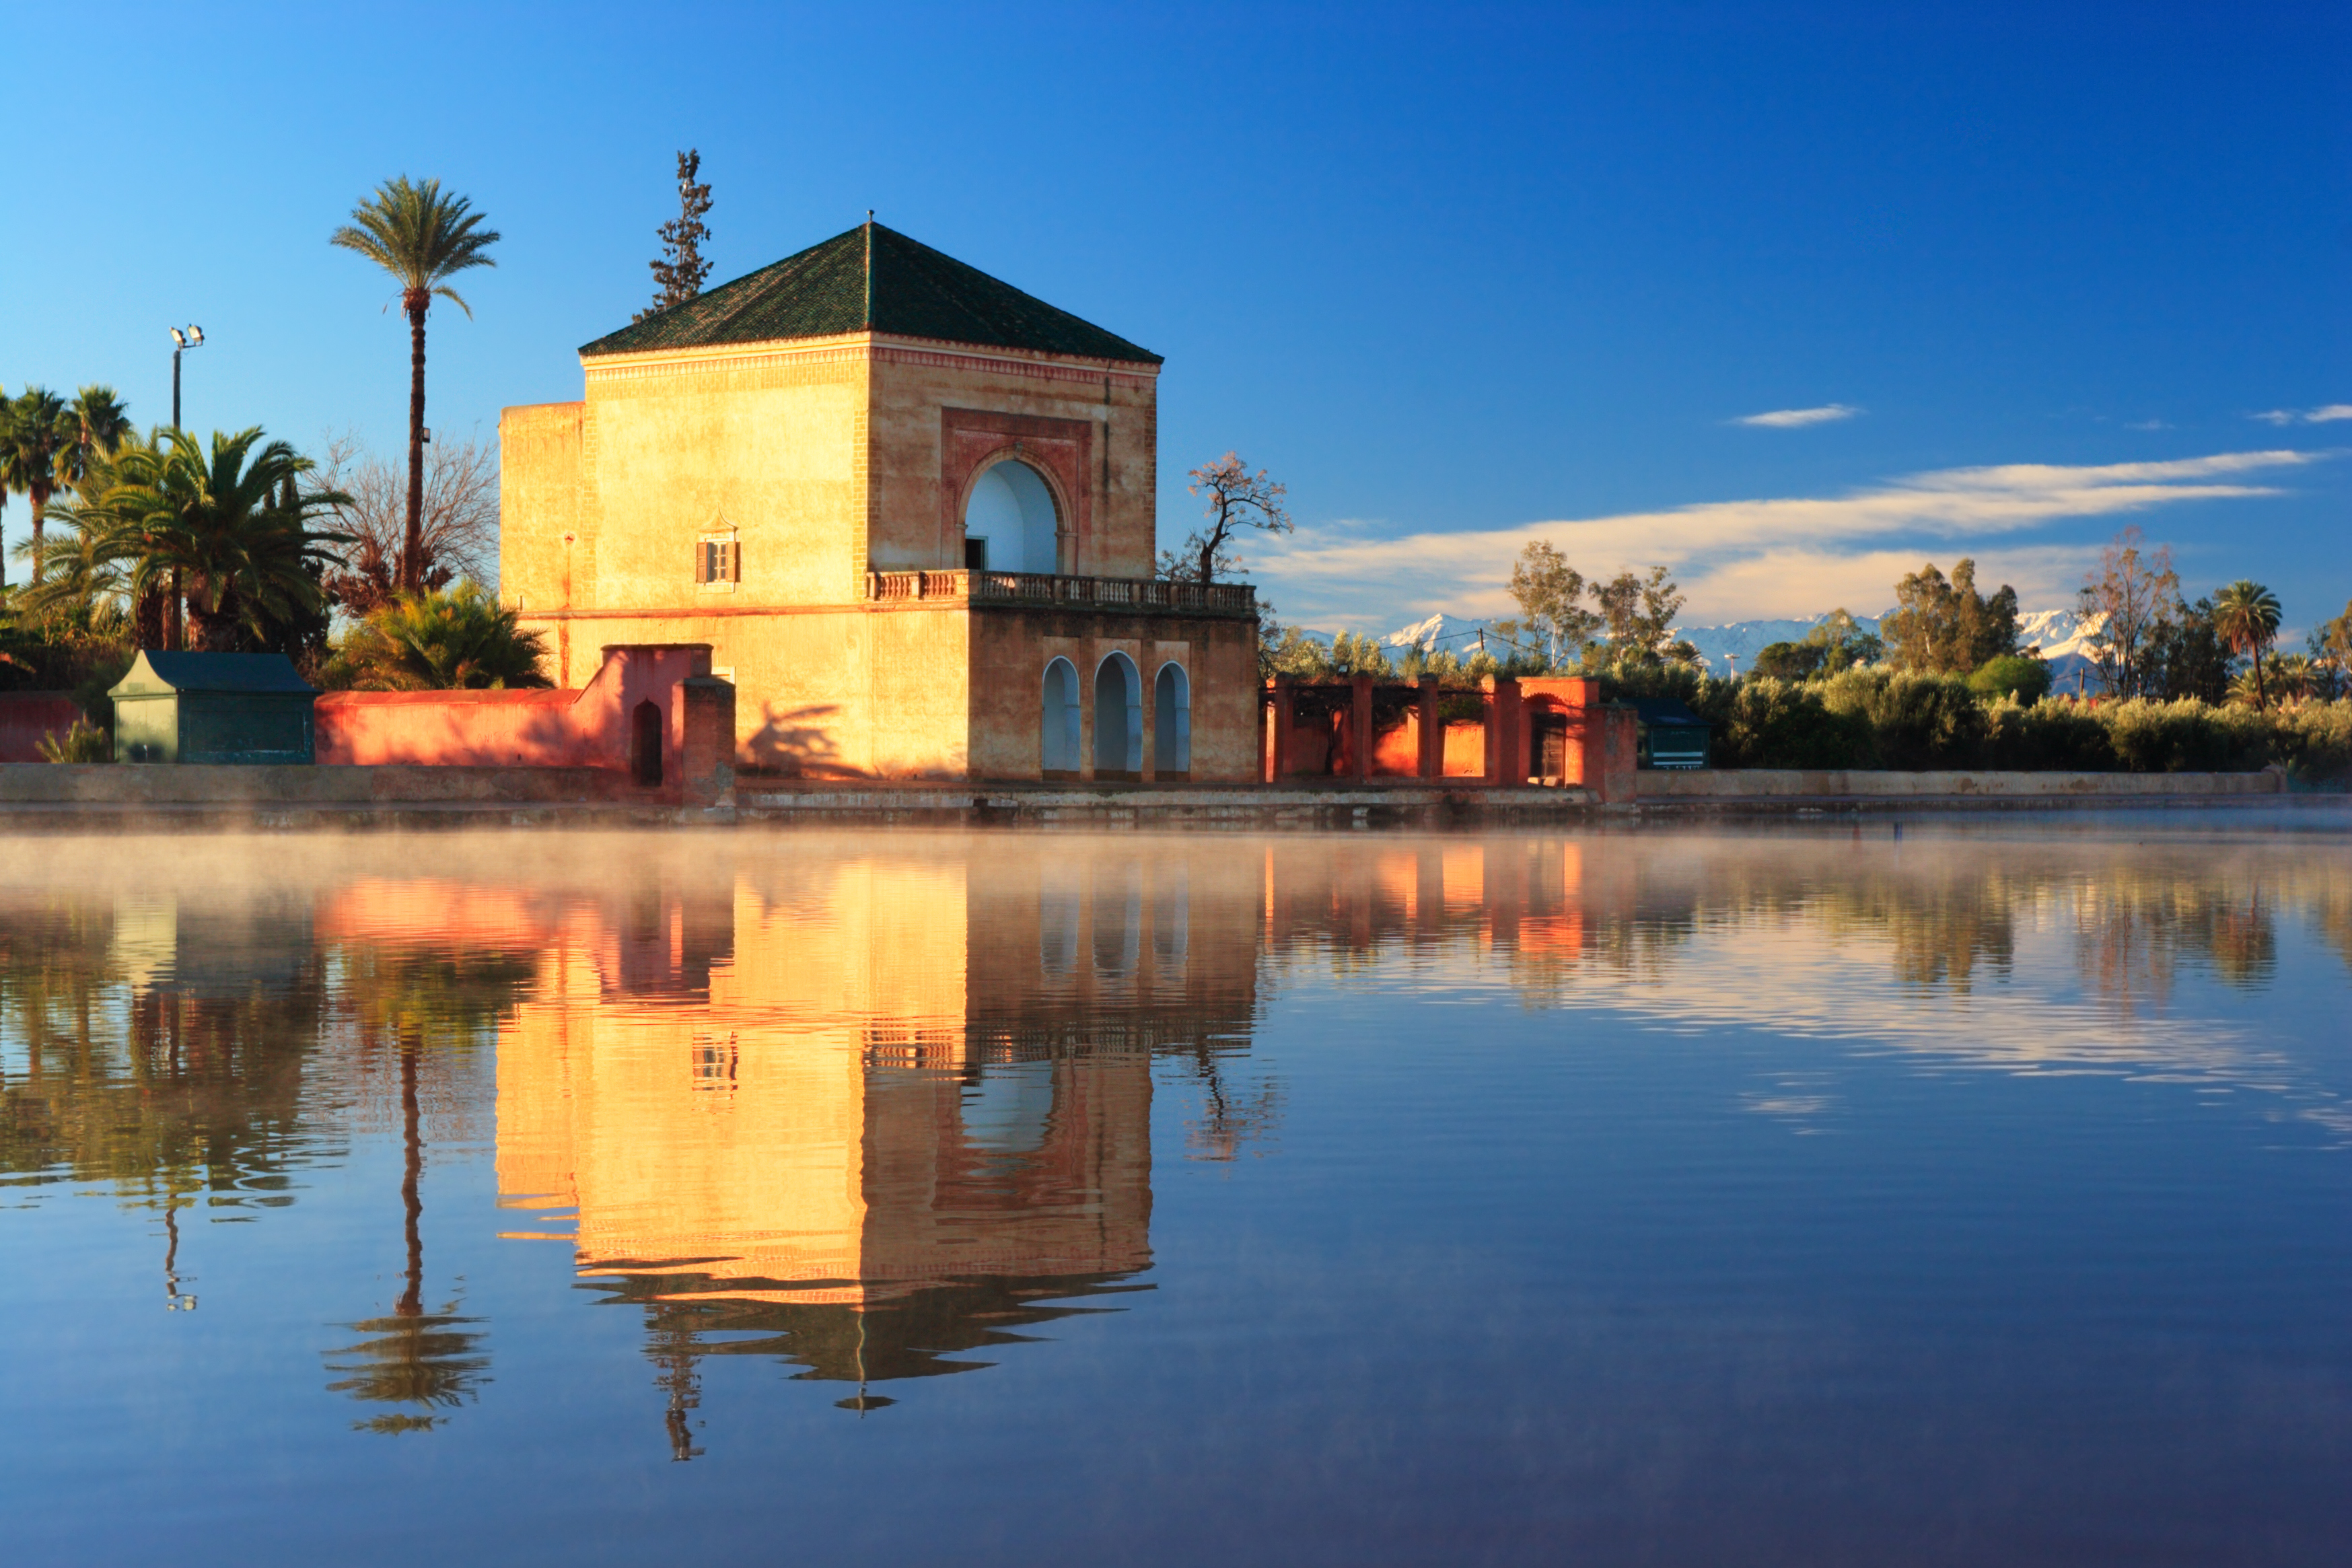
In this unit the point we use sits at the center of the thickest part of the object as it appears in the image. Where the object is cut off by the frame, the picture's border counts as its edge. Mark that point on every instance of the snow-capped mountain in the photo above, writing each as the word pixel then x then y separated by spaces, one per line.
pixel 1731 648
pixel 2062 637
pixel 1438 631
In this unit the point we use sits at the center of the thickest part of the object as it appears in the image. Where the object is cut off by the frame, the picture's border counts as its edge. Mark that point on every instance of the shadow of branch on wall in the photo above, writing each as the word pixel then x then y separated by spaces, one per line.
pixel 796 744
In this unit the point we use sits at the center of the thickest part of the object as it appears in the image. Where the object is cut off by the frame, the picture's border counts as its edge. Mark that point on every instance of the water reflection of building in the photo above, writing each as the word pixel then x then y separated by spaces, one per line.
pixel 865 1113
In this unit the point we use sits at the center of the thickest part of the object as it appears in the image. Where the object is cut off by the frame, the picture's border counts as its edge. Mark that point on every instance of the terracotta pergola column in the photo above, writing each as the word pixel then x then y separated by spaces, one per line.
pixel 1433 731
pixel 1286 708
pixel 1361 716
pixel 1505 733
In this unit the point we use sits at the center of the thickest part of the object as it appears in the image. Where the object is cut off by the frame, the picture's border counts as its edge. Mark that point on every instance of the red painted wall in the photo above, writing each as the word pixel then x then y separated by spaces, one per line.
pixel 588 728
pixel 27 716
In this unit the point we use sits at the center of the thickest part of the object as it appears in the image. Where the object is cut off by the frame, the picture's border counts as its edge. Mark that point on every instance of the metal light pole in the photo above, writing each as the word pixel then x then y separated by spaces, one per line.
pixel 183 340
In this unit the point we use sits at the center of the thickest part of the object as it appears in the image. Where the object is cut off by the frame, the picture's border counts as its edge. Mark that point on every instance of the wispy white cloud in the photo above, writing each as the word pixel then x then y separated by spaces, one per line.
pixel 2326 414
pixel 2148 425
pixel 1741 559
pixel 1797 418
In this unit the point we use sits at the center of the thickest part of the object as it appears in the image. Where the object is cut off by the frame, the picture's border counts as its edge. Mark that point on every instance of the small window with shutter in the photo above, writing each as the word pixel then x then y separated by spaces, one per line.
pixel 718 562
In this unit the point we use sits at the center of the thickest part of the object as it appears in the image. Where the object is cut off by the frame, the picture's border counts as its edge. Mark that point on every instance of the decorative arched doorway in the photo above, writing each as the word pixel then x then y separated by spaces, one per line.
pixel 1172 723
pixel 1010 521
pixel 1118 719
pixel 1057 722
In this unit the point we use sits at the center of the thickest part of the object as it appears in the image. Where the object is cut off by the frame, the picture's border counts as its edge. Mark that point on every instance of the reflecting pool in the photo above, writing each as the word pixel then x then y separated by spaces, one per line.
pixel 1978 1192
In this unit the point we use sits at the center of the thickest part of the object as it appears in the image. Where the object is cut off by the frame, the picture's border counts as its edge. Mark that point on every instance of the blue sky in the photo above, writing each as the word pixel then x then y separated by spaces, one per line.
pixel 1461 275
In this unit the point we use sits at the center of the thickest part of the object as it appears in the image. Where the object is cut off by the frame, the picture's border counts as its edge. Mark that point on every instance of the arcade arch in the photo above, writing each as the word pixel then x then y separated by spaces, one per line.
pixel 1058 721
pixel 1118 718
pixel 1171 721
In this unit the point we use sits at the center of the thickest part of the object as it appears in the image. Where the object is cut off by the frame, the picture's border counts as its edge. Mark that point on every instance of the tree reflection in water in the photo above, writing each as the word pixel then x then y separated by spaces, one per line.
pixel 166 1075
pixel 416 1002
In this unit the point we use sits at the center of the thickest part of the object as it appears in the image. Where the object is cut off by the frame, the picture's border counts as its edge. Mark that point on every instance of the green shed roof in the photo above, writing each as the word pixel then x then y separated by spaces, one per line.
pixel 155 672
pixel 871 278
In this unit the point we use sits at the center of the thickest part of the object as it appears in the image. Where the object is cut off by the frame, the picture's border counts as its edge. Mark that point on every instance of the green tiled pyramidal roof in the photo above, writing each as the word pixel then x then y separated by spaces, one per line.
pixel 871 278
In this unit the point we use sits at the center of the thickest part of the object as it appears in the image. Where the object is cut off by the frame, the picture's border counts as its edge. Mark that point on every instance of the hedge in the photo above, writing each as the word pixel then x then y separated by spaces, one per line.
pixel 1877 718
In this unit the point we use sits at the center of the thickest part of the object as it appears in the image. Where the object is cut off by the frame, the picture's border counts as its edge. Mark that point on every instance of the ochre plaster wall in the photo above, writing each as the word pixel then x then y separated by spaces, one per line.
pixel 950 692
pixel 1092 427
pixel 539 500
pixel 1011 648
pixel 769 441
pixel 848 691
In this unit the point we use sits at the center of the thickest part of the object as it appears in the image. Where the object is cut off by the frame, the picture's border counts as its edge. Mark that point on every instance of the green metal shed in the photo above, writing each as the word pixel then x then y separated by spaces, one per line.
pixel 1669 734
pixel 212 707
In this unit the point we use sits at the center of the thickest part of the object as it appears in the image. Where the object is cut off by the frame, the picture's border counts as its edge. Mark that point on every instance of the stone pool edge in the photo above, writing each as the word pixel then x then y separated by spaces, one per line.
pixel 37 797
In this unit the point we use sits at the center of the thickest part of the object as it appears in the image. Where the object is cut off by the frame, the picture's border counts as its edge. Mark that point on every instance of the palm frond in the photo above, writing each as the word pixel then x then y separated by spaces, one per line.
pixel 418 235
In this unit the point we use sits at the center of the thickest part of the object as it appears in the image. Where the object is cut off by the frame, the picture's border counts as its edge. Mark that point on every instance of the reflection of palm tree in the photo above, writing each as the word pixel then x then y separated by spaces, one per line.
pixel 174 1300
pixel 677 1357
pixel 425 1359
pixel 411 1167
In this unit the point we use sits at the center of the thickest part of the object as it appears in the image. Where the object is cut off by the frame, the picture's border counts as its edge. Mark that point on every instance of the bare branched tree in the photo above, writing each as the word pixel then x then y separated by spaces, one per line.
pixel 2136 596
pixel 1233 498
pixel 459 521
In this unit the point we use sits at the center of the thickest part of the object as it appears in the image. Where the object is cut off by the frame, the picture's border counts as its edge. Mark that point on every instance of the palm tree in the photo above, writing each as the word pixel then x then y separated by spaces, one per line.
pixel 101 428
pixel 2246 616
pixel 2298 676
pixel 422 238
pixel 223 525
pixel 84 580
pixel 40 430
pixel 457 640
pixel 6 422
pixel 104 424
pixel 89 560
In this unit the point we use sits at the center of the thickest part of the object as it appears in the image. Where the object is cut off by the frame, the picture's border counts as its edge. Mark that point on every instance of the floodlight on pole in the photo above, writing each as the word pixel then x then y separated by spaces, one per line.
pixel 183 340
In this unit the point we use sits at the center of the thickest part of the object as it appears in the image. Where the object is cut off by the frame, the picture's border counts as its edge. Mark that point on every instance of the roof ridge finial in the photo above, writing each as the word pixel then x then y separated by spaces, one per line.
pixel 869 270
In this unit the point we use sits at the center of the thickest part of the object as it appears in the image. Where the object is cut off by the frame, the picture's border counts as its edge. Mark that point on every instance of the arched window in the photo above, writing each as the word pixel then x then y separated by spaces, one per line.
pixel 1118 719
pixel 1171 723
pixel 1010 524
pixel 1057 722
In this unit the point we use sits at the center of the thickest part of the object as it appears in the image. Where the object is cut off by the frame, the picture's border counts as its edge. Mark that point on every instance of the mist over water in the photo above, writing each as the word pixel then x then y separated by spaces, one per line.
pixel 1932 1194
